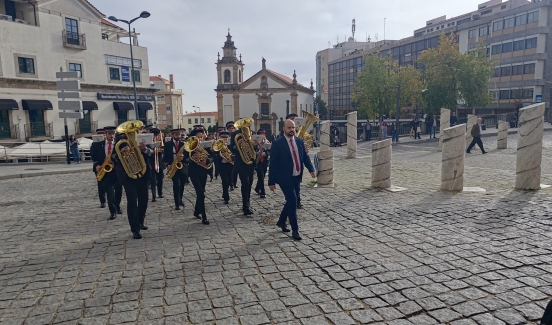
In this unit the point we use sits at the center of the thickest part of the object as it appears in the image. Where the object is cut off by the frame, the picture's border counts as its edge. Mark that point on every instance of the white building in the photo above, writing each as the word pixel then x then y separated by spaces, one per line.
pixel 207 119
pixel 267 96
pixel 39 38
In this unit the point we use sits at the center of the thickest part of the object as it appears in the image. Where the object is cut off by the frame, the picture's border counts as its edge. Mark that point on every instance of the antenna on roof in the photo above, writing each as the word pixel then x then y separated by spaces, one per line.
pixel 353 28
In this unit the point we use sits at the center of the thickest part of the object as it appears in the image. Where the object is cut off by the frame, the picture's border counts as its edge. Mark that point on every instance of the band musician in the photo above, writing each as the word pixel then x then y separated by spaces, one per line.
pixel 171 149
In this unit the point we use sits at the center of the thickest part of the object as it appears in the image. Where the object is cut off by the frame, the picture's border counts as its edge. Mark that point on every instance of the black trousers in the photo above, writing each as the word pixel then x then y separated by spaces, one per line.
pixel 368 135
pixel 118 193
pixel 476 140
pixel 107 185
pixel 226 174
pixel 245 172
pixel 261 173
pixel 199 180
pixel 159 181
pixel 210 172
pixel 137 201
pixel 101 192
pixel 217 168
pixel 179 180
pixel 234 178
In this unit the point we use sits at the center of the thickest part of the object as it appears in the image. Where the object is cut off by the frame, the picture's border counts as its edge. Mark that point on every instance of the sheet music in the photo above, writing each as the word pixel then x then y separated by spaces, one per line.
pixel 147 138
pixel 206 144
pixel 97 138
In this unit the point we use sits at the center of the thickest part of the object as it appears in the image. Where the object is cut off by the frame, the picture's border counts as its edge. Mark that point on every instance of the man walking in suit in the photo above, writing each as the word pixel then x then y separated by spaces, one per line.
pixel 179 179
pixel 288 155
pixel 476 134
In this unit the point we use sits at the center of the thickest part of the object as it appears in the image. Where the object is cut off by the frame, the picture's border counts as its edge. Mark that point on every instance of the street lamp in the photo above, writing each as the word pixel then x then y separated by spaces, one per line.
pixel 398 113
pixel 143 14
pixel 199 109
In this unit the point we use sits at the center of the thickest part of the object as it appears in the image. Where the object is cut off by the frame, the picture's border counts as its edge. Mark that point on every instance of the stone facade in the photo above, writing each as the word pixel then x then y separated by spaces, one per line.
pixel 452 165
pixel 444 123
pixel 502 141
pixel 351 134
pixel 529 149
pixel 381 164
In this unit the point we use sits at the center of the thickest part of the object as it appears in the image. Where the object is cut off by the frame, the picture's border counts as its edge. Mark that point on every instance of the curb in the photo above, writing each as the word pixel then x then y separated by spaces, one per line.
pixel 35 174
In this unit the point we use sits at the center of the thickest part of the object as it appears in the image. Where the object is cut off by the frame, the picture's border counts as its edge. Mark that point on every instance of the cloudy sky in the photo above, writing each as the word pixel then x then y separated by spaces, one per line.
pixel 184 36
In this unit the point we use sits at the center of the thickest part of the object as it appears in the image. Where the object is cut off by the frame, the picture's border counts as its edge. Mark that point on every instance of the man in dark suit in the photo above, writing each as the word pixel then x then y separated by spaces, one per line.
pixel 287 156
pixel 101 192
pixel 476 134
pixel 245 171
pixel 157 176
pixel 234 179
pixel 262 165
pixel 226 168
pixel 109 184
pixel 198 177
pixel 171 149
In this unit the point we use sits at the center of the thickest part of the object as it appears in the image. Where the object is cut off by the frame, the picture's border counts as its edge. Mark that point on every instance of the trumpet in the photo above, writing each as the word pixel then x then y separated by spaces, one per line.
pixel 220 146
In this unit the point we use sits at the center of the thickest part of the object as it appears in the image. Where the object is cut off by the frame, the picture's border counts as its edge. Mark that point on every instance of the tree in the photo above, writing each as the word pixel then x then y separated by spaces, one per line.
pixel 320 104
pixel 473 78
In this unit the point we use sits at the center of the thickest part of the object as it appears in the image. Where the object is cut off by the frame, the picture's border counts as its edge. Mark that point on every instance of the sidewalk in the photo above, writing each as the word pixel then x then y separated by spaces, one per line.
pixel 22 170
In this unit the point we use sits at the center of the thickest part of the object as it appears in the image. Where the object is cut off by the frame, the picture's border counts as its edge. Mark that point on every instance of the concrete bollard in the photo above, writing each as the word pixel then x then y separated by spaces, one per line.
pixel 324 135
pixel 443 124
pixel 502 141
pixel 381 164
pixel 325 169
pixel 351 135
pixel 529 148
pixel 452 166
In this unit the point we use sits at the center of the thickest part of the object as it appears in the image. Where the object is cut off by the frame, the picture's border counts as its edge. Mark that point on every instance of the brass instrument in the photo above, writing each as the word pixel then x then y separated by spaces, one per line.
pixel 176 164
pixel 302 132
pixel 197 154
pixel 106 167
pixel 225 153
pixel 261 146
pixel 243 140
pixel 158 138
pixel 132 160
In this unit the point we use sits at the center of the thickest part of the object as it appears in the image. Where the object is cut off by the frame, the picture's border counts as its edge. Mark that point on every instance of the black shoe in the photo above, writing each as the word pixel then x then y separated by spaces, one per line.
pixel 143 227
pixel 113 216
pixel 247 212
pixel 182 203
pixel 177 207
pixel 211 179
pixel 197 215
pixel 295 235
pixel 136 235
pixel 484 152
pixel 226 202
pixel 153 199
pixel 468 152
pixel 160 196
pixel 102 205
pixel 263 196
pixel 283 226
pixel 258 192
pixel 299 206
pixel 205 221
pixel 119 211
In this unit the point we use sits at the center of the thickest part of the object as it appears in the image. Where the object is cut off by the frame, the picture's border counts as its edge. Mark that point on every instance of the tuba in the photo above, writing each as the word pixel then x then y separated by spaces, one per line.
pixel 132 160
pixel 220 147
pixel 243 140
pixel 197 154
pixel 302 132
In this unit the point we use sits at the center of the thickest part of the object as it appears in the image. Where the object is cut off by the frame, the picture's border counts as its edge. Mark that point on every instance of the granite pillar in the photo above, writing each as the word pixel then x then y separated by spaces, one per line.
pixel 502 141
pixel 381 164
pixel 324 177
pixel 324 135
pixel 472 120
pixel 351 134
pixel 452 166
pixel 529 148
pixel 444 124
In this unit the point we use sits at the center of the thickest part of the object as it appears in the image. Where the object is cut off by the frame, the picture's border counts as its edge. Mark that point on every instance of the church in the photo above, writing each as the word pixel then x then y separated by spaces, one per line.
pixel 267 97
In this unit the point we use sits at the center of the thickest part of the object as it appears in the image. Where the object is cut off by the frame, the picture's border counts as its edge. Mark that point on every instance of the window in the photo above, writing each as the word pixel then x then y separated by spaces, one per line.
pixel 519 45
pixel 105 36
pixel 465 20
pixel 496 72
pixel 532 17
pixel 529 68
pixel 515 94
pixel 26 65
pixel 239 76
pixel 506 47
pixel 493 94
pixel 76 67
pixel 498 25
pixel 196 121
pixel 471 34
pixel 72 30
pixel 168 107
pixel 452 23
pixel 531 43
pixel 189 121
pixel 483 31
pixel 202 120
pixel 517 70
pixel 208 120
pixel 136 75
pixel 114 74
pixel 505 71
pixel 487 51
pixel 504 94
pixel 527 93
pixel 121 61
pixel 265 109
pixel 521 20
pixel 488 11
pixel 226 76
pixel 503 7
pixel 496 49
pixel 509 23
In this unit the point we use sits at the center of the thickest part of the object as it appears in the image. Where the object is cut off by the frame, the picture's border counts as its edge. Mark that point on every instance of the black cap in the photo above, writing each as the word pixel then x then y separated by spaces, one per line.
pixel 221 133
pixel 261 131
pixel 149 126
pixel 229 122
pixel 110 129
pixel 155 130
pixel 195 132
pixel 177 130
pixel 291 115
pixel 100 131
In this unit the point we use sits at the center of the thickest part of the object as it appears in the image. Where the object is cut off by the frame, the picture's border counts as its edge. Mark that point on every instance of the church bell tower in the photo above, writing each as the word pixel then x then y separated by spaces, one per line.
pixel 229 67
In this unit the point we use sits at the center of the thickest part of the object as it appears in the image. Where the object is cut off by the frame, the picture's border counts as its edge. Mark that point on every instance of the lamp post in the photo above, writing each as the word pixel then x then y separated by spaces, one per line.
pixel 398 112
pixel 143 14
pixel 199 109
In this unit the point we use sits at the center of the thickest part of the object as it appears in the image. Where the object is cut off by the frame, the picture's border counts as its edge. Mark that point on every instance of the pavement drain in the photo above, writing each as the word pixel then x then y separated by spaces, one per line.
pixel 270 220
pixel 5 204
pixel 33 168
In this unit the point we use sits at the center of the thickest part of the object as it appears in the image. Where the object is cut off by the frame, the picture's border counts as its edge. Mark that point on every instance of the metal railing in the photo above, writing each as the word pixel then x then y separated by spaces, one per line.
pixel 85 127
pixel 39 129
pixel 21 152
pixel 73 40
pixel 9 131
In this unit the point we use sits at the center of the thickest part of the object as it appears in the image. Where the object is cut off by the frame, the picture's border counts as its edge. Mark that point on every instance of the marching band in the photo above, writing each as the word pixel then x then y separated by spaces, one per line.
pixel 122 161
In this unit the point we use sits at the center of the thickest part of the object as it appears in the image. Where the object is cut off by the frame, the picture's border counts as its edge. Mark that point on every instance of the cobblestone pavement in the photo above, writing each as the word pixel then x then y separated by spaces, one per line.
pixel 367 256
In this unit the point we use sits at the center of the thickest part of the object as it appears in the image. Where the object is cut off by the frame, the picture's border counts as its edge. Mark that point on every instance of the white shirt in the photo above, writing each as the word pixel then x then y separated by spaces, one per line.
pixel 296 172
pixel 107 147
pixel 174 146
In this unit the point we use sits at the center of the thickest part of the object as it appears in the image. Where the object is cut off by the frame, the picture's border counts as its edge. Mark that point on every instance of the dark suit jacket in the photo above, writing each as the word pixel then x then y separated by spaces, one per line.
pixel 281 162
pixel 168 154
pixel 97 153
pixel 475 131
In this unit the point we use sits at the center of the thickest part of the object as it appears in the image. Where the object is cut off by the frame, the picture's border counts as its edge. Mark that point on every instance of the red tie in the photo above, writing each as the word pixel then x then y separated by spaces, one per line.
pixel 109 148
pixel 295 160
pixel 176 146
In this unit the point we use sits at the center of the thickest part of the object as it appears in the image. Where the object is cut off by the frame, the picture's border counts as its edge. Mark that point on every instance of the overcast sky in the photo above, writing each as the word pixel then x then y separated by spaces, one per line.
pixel 184 36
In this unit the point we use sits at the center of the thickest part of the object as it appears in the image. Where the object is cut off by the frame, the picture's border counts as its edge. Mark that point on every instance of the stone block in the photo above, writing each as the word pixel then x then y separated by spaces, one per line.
pixel 454 148
pixel 381 164
pixel 351 135
pixel 324 136
pixel 502 140
pixel 529 150
pixel 444 122
pixel 325 169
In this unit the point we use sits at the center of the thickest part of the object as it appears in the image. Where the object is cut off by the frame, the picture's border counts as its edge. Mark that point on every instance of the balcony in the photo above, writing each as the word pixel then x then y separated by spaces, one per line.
pixel 39 131
pixel 85 127
pixel 73 40
pixel 8 131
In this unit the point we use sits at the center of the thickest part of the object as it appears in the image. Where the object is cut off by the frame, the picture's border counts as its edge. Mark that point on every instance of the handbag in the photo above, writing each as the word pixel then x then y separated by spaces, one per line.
pixel 419 130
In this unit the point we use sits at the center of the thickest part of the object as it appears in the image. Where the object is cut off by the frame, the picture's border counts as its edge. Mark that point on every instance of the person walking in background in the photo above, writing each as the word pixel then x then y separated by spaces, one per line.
pixel 476 134
pixel 434 122
pixel 384 131
pixel 415 126
pixel 74 146
pixel 335 133
pixel 368 130
pixel 394 132
pixel 453 119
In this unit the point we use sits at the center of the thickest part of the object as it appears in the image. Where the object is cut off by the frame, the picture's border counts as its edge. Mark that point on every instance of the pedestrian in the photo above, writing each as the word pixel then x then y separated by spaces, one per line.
pixel 288 155
pixel 453 119
pixel 335 133
pixel 434 122
pixel 394 132
pixel 74 146
pixel 384 131
pixel 476 134
pixel 368 130
pixel 415 128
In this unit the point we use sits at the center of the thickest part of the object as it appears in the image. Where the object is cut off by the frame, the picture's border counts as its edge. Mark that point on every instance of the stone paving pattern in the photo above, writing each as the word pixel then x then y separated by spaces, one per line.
pixel 367 256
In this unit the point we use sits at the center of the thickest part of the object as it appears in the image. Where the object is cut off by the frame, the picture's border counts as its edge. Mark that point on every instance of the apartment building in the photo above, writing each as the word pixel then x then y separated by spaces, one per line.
pixel 39 38
pixel 168 101
pixel 207 119
pixel 515 34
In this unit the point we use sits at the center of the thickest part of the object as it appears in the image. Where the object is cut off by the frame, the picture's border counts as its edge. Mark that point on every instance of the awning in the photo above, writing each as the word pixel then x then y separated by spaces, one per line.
pixel 8 104
pixel 36 105
pixel 144 106
pixel 89 106
pixel 123 106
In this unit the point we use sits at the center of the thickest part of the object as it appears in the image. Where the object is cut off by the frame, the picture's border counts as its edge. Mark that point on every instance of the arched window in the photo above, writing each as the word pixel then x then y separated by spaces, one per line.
pixel 226 76
pixel 239 76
